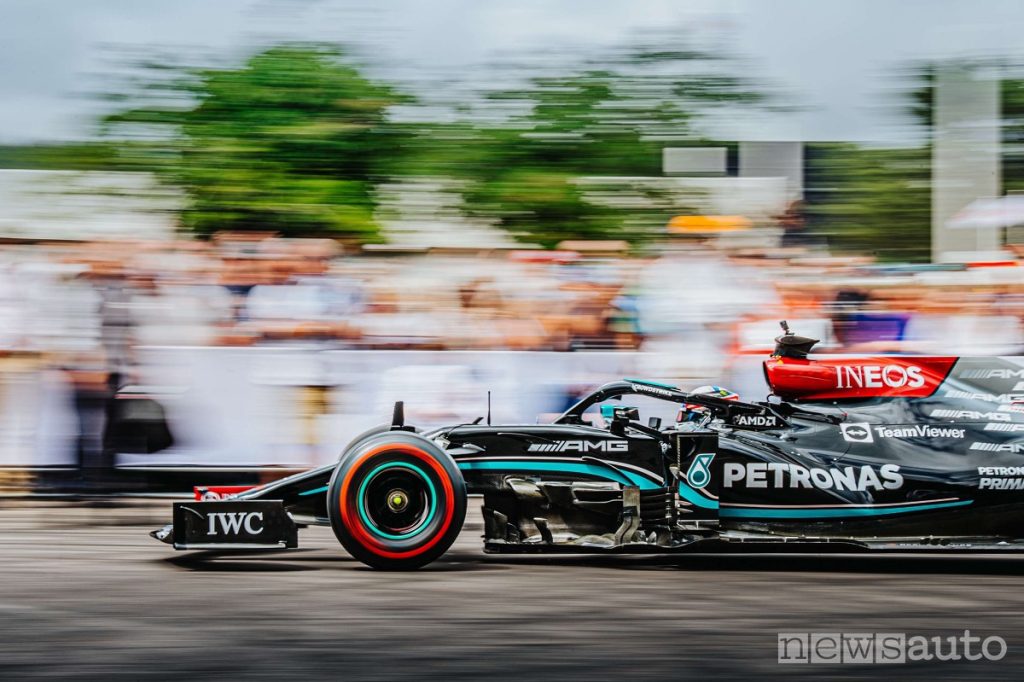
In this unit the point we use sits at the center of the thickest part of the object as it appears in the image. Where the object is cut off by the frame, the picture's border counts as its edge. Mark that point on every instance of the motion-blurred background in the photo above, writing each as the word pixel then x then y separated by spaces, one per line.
pixel 232 233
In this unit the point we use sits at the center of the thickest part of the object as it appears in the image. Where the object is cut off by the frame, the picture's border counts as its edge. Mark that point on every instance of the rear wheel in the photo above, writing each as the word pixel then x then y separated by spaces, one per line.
pixel 396 501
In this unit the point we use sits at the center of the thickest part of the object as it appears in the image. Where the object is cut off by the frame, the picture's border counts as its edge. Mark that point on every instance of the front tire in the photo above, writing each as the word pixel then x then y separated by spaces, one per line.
pixel 368 433
pixel 396 501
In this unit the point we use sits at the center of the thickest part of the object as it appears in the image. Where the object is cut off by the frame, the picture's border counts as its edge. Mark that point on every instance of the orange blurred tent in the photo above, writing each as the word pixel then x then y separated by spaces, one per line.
pixel 696 224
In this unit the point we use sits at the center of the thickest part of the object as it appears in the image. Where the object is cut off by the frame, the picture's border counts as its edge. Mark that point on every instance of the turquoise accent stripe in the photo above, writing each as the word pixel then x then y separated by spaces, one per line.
pixel 777 513
pixel 314 491
pixel 695 498
pixel 605 472
pixel 371 526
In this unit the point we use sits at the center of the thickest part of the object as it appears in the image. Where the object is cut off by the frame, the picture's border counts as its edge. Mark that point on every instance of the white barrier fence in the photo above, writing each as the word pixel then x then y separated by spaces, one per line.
pixel 298 407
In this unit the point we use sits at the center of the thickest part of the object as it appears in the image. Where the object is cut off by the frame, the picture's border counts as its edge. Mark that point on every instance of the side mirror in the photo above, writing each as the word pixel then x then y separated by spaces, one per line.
pixel 625 414
pixel 615 413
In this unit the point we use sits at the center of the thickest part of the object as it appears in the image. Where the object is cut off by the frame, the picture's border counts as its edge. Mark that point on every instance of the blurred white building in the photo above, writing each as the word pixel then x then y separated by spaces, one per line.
pixel 62 205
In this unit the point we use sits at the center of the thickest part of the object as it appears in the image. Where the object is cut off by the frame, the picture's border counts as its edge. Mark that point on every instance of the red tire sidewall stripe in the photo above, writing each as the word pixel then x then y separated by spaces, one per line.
pixel 350 516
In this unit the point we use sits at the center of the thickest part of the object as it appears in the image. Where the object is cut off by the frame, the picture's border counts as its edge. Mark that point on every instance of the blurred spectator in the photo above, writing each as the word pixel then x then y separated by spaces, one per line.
pixel 794 225
pixel 949 323
pixel 857 324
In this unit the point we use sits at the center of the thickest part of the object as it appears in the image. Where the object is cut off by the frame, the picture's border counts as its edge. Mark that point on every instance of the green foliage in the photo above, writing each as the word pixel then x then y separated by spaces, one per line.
pixel 79 157
pixel 530 174
pixel 293 141
pixel 1012 94
pixel 870 200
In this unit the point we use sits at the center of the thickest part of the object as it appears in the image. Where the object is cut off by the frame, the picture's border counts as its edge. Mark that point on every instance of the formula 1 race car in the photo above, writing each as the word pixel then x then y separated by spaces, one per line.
pixel 881 453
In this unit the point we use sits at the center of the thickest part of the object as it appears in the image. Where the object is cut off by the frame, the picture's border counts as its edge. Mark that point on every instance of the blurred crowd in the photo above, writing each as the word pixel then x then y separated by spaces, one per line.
pixel 93 303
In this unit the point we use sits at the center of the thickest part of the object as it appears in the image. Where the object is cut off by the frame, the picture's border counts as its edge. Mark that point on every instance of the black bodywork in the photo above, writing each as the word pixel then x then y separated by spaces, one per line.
pixel 942 472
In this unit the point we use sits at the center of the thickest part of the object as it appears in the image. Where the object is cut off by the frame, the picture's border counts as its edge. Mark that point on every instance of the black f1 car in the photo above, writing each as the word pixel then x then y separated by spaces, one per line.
pixel 878 453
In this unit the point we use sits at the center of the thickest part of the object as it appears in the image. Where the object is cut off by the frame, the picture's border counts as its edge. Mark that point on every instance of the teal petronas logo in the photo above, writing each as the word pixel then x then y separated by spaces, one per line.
pixel 699 474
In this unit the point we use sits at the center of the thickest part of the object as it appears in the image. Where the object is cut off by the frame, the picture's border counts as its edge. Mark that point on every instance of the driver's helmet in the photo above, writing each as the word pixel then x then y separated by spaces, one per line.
pixel 692 411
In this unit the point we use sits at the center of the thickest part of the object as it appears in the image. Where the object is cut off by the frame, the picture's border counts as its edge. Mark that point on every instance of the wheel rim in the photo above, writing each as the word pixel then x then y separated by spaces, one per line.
pixel 397 501
pixel 450 506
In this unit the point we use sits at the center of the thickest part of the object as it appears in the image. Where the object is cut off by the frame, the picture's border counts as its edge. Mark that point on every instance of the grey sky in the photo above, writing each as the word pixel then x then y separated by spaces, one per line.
pixel 834 57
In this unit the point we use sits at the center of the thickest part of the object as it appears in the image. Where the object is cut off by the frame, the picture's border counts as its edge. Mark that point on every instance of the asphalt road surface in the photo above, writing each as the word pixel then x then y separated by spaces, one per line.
pixel 85 594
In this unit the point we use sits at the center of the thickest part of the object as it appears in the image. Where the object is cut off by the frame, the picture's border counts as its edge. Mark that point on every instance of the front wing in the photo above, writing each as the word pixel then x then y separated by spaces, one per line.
pixel 256 524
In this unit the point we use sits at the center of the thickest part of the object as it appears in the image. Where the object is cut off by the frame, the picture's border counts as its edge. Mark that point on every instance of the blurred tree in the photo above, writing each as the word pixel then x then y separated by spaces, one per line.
pixel 1012 93
pixel 871 200
pixel 877 200
pixel 296 139
pixel 874 200
pixel 293 141
pixel 59 156
pixel 529 172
